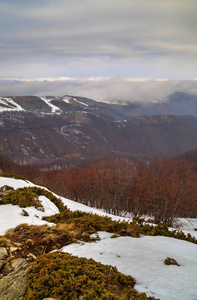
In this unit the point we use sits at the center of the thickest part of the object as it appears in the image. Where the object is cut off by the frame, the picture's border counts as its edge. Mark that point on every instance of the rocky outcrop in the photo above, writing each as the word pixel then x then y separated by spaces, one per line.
pixel 3 256
pixel 12 275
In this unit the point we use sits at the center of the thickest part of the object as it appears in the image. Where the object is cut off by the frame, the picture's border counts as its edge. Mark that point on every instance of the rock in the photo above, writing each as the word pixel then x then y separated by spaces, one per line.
pixel 3 253
pixel 19 264
pixel 12 285
pixel 31 257
pixel 17 244
pixel 6 269
pixel 12 249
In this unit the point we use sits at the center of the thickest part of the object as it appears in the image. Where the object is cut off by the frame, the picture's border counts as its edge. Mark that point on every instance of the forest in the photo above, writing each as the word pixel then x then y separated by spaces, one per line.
pixel 162 188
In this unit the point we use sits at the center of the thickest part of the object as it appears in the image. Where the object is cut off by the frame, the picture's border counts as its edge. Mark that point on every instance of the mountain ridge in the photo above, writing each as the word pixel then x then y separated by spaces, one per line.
pixel 178 103
pixel 69 130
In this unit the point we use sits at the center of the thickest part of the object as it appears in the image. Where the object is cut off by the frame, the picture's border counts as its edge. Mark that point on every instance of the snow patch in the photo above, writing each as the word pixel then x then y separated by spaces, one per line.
pixel 54 109
pixel 66 99
pixel 10 105
pixel 12 215
pixel 80 102
pixel 143 258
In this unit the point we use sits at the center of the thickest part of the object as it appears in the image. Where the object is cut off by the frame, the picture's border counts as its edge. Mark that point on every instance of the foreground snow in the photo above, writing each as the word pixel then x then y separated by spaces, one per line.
pixel 143 258
pixel 12 215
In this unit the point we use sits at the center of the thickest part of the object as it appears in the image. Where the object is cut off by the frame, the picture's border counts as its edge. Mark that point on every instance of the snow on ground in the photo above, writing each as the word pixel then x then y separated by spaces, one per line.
pixel 72 205
pixel 12 215
pixel 54 108
pixel 66 99
pixel 10 104
pixel 15 183
pixel 80 102
pixel 143 258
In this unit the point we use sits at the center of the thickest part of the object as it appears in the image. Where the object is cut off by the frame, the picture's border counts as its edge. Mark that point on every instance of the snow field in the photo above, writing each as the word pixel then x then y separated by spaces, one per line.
pixel 12 215
pixel 143 258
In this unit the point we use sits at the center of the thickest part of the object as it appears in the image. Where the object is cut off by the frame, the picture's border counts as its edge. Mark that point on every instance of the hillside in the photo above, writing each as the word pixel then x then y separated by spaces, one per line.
pixel 141 257
pixel 68 131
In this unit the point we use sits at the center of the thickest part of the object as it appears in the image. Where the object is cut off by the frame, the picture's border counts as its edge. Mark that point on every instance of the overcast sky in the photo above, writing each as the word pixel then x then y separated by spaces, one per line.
pixel 97 44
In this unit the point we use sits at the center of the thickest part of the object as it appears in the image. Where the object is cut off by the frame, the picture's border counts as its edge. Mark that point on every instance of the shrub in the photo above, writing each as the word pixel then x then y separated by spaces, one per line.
pixel 5 242
pixel 63 276
pixel 39 239
pixel 24 213
pixel 42 192
pixel 90 223
pixel 28 196
pixel 23 197
pixel 170 261
pixel 6 188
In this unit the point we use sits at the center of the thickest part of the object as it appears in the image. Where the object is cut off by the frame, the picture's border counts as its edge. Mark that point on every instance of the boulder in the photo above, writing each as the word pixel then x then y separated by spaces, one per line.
pixel 3 253
pixel 12 285
pixel 31 257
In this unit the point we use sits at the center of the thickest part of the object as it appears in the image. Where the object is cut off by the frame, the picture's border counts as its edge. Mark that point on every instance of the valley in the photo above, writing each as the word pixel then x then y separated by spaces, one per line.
pixel 68 131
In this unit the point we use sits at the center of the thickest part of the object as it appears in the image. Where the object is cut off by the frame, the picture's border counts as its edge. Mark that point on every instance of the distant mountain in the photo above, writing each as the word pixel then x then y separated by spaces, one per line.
pixel 176 104
pixel 72 130
pixel 77 137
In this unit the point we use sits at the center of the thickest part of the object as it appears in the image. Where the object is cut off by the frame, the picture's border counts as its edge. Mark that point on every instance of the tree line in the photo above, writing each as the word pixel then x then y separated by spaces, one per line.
pixel 162 188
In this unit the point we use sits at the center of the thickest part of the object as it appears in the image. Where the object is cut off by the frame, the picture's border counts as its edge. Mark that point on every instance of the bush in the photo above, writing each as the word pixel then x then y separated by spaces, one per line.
pixel 42 192
pixel 63 276
pixel 23 197
pixel 170 261
pixel 6 188
pixel 39 239
pixel 90 223
pixel 5 242
pixel 28 196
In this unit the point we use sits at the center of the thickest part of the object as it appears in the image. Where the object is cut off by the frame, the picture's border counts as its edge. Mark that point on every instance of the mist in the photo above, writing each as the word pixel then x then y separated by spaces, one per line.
pixel 115 88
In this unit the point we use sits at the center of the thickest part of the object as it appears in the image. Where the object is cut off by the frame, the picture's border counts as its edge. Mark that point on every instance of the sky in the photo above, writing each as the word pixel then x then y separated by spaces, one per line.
pixel 63 46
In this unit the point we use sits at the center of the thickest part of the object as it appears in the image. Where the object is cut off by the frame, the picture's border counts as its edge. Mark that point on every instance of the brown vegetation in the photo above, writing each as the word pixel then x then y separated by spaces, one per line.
pixel 63 276
pixel 163 188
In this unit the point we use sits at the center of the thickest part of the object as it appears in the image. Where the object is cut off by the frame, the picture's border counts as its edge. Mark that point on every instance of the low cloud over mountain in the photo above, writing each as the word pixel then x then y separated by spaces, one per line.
pixel 115 88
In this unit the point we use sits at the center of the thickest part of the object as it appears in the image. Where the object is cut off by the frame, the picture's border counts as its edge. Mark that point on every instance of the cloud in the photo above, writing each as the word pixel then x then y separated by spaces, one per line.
pixel 147 38
pixel 115 88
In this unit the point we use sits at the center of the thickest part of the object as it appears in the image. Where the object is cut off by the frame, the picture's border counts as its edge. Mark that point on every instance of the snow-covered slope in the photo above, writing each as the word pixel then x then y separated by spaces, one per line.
pixel 54 109
pixel 12 215
pixel 143 258
pixel 8 104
